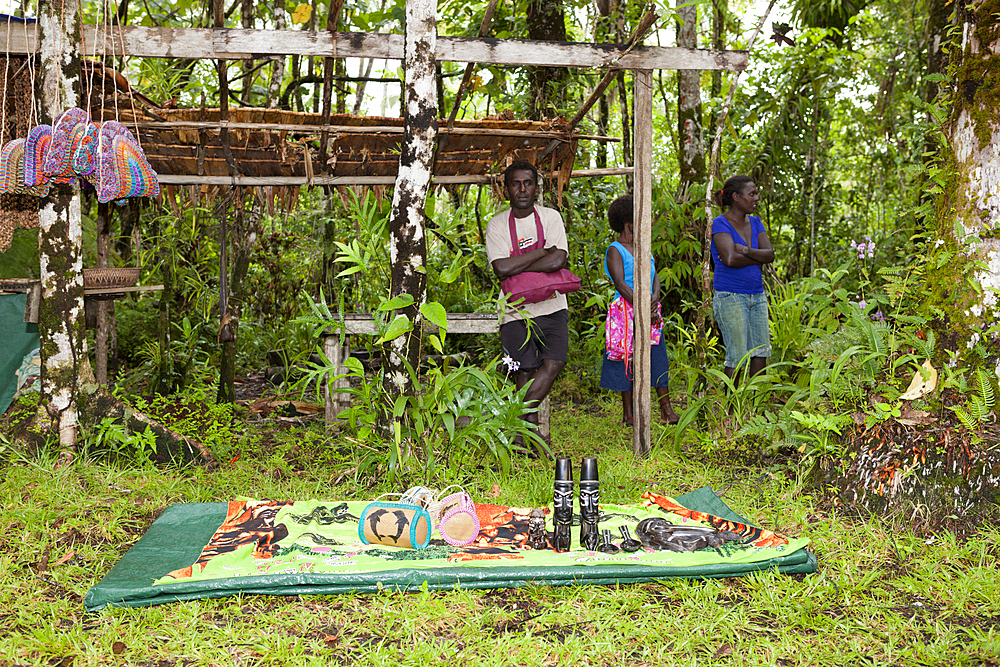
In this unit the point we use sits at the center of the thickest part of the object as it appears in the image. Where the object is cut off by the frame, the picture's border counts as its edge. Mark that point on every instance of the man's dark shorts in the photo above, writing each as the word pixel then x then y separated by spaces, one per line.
pixel 549 339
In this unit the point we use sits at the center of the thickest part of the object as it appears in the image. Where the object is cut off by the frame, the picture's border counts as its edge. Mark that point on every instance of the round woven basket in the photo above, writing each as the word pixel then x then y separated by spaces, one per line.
pixel 109 278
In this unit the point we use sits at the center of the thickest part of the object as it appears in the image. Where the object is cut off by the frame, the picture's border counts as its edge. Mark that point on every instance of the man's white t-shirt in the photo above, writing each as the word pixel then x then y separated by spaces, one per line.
pixel 498 246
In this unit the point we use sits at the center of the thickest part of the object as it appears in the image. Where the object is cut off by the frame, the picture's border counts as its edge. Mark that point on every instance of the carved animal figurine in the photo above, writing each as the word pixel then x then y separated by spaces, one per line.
pixel 659 533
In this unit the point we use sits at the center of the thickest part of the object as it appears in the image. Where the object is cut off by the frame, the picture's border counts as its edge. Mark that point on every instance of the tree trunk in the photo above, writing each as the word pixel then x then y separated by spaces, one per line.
pixel 969 212
pixel 103 306
pixel 407 242
pixel 165 373
pixel 61 332
pixel 247 66
pixel 244 238
pixel 547 87
pixel 691 158
pixel 604 29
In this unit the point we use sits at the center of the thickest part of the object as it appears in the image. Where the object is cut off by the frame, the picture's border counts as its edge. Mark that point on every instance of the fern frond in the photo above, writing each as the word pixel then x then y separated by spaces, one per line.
pixel 967 419
pixel 985 387
pixel 979 411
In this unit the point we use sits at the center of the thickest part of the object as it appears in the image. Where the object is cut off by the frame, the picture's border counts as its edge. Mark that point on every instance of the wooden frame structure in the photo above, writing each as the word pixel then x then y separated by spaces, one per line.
pixel 236 44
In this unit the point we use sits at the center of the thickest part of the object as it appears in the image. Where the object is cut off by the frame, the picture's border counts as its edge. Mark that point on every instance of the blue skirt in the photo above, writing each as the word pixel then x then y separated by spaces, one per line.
pixel 613 372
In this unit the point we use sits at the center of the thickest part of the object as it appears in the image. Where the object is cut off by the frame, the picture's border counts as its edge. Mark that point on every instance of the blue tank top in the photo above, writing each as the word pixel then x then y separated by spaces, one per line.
pixel 749 279
pixel 628 264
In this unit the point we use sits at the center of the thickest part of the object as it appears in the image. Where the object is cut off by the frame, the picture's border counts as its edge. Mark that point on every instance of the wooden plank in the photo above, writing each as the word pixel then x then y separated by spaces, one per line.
pixel 236 44
pixel 360 129
pixel 121 290
pixel 642 219
pixel 194 179
pixel 364 324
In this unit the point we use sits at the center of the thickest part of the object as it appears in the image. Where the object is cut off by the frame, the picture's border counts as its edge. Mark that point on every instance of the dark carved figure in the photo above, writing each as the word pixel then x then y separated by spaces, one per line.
pixel 536 529
pixel 562 500
pixel 659 533
pixel 589 499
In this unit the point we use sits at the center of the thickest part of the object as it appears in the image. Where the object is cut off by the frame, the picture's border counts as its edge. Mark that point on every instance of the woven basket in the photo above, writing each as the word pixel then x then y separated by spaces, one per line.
pixel 108 278
pixel 17 284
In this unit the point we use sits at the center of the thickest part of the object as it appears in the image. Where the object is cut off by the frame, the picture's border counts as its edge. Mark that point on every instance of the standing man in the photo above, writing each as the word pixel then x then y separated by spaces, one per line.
pixel 534 335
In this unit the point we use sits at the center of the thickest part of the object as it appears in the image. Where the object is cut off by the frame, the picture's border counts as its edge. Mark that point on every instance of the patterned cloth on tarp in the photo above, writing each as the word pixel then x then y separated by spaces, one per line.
pixel 205 550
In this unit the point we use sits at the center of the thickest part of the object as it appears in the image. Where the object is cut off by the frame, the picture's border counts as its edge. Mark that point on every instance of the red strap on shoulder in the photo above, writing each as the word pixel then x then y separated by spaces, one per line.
pixel 539 234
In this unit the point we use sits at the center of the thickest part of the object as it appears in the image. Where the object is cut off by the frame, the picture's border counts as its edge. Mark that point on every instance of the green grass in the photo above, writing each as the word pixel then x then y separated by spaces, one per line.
pixel 882 595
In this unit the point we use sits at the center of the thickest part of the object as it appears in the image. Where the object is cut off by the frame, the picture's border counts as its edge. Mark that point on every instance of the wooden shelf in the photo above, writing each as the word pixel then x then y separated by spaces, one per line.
pixel 122 290
pixel 27 286
pixel 364 324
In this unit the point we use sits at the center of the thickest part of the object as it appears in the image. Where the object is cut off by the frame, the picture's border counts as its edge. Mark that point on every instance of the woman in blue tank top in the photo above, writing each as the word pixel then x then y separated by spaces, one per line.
pixel 618 265
pixel 740 248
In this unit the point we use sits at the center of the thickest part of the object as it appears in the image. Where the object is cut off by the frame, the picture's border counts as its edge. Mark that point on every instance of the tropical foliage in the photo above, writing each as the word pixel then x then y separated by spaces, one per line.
pixel 838 119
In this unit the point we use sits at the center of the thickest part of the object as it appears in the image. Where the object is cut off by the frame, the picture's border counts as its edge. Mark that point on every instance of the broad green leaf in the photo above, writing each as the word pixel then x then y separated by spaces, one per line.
pixel 435 313
pixel 396 302
pixel 396 328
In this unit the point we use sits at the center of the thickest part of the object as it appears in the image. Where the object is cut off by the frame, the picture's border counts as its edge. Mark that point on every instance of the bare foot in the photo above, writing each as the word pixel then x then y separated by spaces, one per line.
pixel 670 418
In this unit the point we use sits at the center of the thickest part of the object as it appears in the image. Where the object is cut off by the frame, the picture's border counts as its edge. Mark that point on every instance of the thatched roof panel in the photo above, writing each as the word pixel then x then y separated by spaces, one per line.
pixel 277 141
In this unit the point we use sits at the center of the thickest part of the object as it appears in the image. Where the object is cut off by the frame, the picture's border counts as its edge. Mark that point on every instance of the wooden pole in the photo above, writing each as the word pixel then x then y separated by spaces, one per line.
pixel 285 181
pixel 643 221
pixel 332 18
pixel 484 28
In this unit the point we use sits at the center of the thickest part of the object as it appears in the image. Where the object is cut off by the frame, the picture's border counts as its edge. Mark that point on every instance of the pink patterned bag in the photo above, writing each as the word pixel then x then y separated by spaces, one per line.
pixel 619 330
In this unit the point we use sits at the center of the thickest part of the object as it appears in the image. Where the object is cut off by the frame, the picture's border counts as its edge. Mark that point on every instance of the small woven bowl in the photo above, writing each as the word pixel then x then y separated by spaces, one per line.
pixel 110 278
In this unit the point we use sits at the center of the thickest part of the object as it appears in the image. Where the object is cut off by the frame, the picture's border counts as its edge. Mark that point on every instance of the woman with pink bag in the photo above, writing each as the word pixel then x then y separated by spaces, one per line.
pixel 617 371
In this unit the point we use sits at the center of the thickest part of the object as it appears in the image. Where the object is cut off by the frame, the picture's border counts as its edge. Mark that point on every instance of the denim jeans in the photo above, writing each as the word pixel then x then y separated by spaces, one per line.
pixel 743 320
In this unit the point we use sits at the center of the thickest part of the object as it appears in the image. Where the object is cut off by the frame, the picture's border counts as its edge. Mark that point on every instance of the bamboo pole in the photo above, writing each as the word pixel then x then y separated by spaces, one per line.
pixel 288 181
pixel 713 167
pixel 362 129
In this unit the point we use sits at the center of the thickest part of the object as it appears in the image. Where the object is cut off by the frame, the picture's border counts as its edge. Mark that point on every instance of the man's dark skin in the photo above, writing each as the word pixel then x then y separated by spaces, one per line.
pixel 520 192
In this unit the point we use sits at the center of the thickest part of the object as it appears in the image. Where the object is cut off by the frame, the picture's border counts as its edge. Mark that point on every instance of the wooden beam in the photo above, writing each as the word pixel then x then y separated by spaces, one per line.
pixel 291 181
pixel 361 129
pixel 237 44
pixel 642 218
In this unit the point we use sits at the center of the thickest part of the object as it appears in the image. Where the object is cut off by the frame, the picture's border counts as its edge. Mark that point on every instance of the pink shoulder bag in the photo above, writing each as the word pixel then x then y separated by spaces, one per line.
pixel 619 331
pixel 535 286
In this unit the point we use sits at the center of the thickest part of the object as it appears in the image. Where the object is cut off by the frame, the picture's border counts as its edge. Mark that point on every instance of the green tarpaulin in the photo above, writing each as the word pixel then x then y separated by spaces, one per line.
pixel 18 338
pixel 207 550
